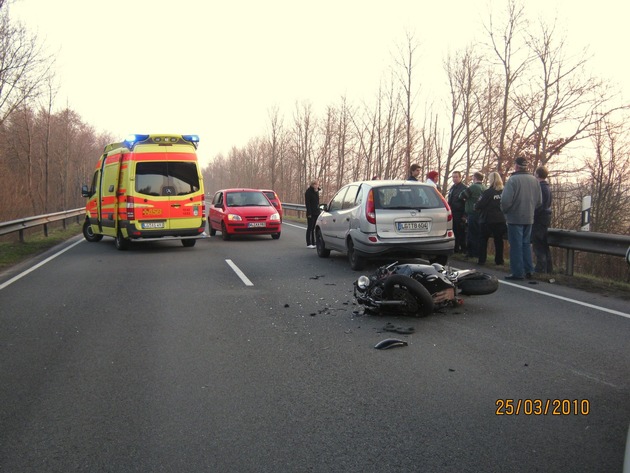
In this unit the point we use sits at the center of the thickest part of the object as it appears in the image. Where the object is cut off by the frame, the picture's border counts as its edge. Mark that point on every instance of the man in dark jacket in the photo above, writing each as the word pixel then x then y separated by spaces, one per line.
pixel 542 220
pixel 414 172
pixel 471 196
pixel 311 200
pixel 459 214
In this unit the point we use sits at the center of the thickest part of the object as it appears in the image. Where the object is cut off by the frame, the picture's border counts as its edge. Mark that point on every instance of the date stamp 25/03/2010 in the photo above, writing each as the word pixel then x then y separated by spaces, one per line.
pixel 542 407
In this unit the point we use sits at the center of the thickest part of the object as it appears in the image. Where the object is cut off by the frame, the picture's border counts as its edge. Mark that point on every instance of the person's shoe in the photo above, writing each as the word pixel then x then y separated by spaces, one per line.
pixel 511 277
pixel 528 276
pixel 311 246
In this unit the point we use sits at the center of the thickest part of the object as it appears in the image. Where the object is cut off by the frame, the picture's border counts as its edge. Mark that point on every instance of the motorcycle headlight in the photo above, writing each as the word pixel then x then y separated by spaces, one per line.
pixel 363 282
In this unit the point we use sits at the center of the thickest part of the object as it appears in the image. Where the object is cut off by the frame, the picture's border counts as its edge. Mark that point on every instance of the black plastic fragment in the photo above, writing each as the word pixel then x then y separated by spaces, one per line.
pixel 390 343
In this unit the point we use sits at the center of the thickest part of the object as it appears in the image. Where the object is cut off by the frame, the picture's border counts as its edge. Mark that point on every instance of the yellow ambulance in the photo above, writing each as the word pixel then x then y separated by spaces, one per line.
pixel 147 187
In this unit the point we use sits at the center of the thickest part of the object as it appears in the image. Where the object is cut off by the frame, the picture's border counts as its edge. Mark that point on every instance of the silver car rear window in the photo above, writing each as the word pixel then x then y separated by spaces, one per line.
pixel 407 197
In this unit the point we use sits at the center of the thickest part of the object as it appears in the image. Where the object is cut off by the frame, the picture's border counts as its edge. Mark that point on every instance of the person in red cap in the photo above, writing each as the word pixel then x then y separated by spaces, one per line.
pixel 432 178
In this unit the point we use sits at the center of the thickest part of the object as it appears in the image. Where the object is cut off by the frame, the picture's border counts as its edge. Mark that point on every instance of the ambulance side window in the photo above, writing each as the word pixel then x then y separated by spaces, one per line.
pixel 94 184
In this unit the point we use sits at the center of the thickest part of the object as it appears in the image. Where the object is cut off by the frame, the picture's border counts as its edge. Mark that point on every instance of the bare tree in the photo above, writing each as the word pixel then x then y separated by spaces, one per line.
pixel 406 63
pixel 463 77
pixel 275 144
pixel 513 59
pixel 609 182
pixel 24 66
pixel 560 95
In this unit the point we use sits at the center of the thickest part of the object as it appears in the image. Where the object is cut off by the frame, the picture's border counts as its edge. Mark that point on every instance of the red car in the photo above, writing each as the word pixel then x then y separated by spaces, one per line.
pixel 243 212
pixel 274 199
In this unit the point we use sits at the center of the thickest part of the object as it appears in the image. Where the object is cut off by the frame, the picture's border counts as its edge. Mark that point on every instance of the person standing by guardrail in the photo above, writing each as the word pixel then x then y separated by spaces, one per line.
pixel 459 211
pixel 491 219
pixel 470 196
pixel 542 220
pixel 311 200
pixel 521 196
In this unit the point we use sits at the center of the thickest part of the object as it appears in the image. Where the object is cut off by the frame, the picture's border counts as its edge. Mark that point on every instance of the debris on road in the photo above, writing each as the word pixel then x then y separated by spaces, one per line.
pixel 390 343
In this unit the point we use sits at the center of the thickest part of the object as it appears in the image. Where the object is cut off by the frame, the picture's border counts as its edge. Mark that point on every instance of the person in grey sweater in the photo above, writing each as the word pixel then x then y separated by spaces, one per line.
pixel 519 201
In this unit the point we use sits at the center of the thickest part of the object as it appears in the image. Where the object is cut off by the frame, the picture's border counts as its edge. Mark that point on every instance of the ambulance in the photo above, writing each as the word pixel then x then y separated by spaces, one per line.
pixel 147 188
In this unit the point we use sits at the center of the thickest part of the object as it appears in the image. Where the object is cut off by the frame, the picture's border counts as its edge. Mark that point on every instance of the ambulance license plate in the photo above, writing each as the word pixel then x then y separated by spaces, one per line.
pixel 256 224
pixel 152 224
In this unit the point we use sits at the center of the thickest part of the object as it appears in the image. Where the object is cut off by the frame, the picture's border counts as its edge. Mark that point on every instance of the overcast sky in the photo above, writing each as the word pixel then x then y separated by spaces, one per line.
pixel 216 68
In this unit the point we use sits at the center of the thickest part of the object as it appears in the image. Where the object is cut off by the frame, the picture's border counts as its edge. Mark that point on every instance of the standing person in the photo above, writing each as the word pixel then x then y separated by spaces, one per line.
pixel 414 172
pixel 470 196
pixel 432 178
pixel 491 219
pixel 542 220
pixel 459 213
pixel 521 197
pixel 311 199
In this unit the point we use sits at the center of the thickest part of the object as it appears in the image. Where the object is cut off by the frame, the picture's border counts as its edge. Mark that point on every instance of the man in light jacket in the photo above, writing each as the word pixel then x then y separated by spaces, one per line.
pixel 519 201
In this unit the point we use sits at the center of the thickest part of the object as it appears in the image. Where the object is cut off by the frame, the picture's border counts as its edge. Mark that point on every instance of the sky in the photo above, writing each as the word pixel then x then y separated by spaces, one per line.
pixel 217 68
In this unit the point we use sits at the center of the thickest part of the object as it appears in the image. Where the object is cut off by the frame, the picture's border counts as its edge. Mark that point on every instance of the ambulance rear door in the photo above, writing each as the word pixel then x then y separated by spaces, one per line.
pixel 168 192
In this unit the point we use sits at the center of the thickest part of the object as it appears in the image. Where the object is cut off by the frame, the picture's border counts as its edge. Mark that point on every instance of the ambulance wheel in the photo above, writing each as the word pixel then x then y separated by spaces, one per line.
pixel 121 242
pixel 89 234
pixel 224 234
pixel 189 243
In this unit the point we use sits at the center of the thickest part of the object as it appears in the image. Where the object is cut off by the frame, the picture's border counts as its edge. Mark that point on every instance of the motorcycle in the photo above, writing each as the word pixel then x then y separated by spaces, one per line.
pixel 419 289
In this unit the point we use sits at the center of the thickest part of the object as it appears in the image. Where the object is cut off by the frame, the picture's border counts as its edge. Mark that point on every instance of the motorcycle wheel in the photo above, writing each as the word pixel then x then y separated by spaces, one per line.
pixel 479 285
pixel 419 301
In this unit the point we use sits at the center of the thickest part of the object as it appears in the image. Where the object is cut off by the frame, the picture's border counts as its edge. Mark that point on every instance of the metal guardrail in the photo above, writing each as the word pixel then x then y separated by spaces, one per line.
pixel 570 240
pixel 590 242
pixel 22 224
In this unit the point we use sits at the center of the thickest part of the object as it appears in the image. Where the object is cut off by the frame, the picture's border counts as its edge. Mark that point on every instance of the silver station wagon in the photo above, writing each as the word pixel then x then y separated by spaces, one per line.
pixel 375 219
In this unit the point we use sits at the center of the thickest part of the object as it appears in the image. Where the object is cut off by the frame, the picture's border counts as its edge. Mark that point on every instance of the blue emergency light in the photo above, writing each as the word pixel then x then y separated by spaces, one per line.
pixel 131 140
pixel 191 138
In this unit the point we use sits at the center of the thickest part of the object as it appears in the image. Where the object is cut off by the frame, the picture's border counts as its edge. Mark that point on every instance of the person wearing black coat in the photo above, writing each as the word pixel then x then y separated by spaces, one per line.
pixel 542 220
pixel 459 213
pixel 492 219
pixel 311 200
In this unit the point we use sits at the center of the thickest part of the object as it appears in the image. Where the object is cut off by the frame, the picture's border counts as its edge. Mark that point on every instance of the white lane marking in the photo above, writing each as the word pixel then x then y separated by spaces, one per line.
pixel 566 299
pixel 239 273
pixel 42 263
pixel 294 226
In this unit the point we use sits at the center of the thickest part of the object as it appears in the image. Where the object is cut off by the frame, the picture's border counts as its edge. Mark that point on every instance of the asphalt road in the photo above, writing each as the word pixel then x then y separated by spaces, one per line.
pixel 164 359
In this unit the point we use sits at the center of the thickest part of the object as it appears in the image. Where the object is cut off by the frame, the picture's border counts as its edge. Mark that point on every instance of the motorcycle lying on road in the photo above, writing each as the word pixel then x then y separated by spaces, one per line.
pixel 419 289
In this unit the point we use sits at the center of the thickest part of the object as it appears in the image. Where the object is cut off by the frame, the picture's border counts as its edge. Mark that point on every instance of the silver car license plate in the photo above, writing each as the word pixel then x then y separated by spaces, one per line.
pixel 413 226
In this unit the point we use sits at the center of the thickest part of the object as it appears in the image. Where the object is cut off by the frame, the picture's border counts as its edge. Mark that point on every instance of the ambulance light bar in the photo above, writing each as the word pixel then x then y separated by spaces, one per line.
pixel 134 139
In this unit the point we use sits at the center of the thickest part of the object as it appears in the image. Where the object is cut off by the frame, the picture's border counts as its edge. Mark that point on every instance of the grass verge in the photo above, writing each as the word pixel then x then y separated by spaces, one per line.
pixel 12 253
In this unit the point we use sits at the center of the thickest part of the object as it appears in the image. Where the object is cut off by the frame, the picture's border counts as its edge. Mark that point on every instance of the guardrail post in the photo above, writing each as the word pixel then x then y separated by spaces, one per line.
pixel 570 262
pixel 21 233
pixel 46 230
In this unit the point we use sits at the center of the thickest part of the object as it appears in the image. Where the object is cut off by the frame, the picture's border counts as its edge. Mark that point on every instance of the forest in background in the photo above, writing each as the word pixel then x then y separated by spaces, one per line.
pixel 518 93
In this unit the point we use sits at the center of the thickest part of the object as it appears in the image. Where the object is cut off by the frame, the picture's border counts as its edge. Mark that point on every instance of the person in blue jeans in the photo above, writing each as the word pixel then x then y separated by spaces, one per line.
pixel 521 196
